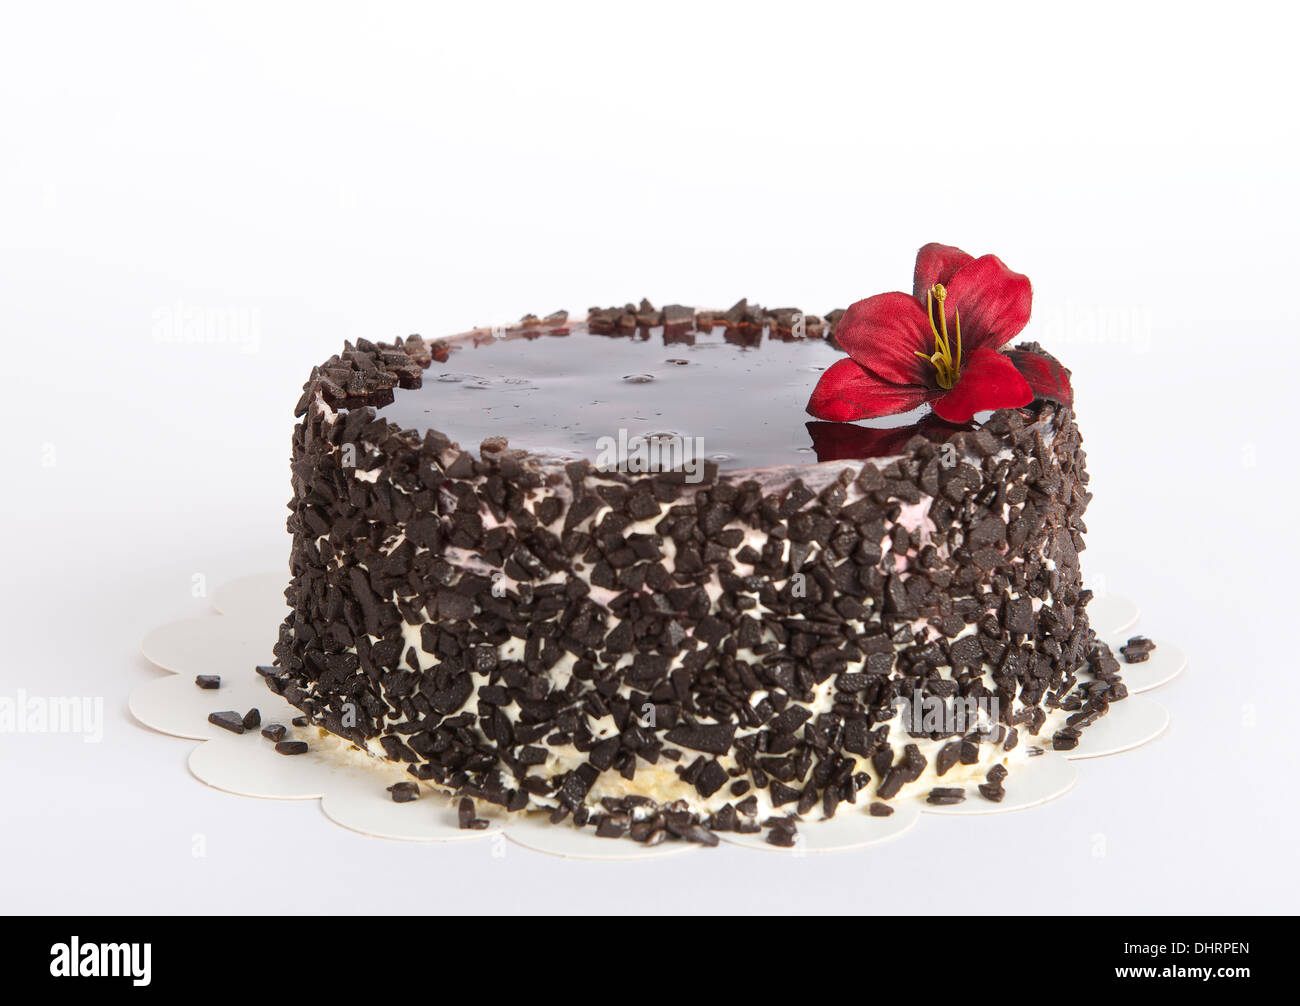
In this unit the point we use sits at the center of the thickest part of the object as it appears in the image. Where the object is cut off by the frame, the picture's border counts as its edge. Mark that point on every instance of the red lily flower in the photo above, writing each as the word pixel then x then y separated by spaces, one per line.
pixel 941 345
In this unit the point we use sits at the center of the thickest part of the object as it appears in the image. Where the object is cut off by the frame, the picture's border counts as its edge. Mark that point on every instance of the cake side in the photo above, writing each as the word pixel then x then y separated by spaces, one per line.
pixel 652 655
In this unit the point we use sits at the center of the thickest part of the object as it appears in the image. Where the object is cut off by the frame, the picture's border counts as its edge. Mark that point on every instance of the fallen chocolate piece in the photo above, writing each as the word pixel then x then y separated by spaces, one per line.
pixel 878 809
pixel 208 681
pixel 274 731
pixel 300 721
pixel 992 791
pixel 252 719
pixel 946 795
pixel 404 792
pixel 997 773
pixel 229 719
pixel 1137 649
pixel 781 831
pixel 780 836
pixel 1065 739
pixel 291 747
pixel 467 820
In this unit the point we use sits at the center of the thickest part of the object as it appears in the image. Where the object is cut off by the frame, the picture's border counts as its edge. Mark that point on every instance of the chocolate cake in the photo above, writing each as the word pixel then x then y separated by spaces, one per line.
pixel 608 570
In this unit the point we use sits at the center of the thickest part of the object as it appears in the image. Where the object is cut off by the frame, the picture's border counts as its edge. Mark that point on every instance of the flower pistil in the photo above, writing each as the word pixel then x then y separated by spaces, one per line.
pixel 947 364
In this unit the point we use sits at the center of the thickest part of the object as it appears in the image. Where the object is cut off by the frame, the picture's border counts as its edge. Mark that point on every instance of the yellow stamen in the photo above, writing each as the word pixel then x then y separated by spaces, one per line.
pixel 947 365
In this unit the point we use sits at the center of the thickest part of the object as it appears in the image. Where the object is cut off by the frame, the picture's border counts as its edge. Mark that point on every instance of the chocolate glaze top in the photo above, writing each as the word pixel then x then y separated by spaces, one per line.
pixel 557 388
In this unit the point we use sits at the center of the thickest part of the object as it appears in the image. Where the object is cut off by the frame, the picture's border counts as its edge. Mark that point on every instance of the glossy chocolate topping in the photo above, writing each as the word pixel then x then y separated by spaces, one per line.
pixel 564 391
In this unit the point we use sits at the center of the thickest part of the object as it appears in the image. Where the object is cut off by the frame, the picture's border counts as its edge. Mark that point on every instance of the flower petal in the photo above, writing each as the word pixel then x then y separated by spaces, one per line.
pixel 936 263
pixel 994 302
pixel 989 380
pixel 847 392
pixel 1046 377
pixel 884 333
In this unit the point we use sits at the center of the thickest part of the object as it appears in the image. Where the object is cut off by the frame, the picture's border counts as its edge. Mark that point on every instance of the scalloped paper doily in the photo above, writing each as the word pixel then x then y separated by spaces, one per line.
pixel 352 786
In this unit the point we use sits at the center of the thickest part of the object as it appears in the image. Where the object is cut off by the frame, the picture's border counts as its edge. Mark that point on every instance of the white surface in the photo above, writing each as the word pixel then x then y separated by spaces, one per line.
pixel 328 173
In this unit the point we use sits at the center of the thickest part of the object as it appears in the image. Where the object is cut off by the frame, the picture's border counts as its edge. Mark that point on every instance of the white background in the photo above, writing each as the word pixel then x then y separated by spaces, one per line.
pixel 332 172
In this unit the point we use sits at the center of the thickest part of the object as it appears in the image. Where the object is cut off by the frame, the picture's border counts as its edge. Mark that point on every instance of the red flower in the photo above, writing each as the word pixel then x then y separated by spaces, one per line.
pixel 941 345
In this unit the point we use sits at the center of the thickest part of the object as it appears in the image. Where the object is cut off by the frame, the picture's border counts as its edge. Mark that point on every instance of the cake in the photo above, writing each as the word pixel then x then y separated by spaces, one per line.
pixel 607 569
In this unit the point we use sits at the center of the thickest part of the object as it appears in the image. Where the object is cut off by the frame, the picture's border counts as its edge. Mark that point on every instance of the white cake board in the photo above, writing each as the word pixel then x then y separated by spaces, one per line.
pixel 1165 663
pixel 352 785
pixel 1033 783
pixel 851 828
pixel 535 832
pixel 1135 721
pixel 1110 614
